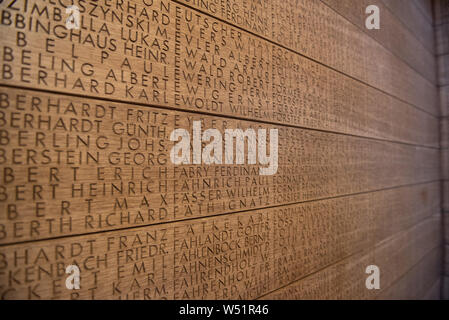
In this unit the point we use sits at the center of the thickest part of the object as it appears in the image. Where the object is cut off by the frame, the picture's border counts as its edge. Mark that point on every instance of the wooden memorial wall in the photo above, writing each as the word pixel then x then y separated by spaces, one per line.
pixel 90 97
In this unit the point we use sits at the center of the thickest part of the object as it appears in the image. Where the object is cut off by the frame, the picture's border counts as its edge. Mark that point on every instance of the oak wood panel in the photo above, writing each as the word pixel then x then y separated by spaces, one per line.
pixel 346 279
pixel 421 282
pixel 74 165
pixel 426 8
pixel 85 172
pixel 392 34
pixel 243 76
pixel 414 19
pixel 241 255
pixel 323 35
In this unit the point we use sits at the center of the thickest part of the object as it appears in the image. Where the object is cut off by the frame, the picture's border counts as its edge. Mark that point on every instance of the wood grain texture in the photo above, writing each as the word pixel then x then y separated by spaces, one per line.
pixel 412 17
pixel 277 86
pixel 392 75
pixel 393 35
pixel 343 280
pixel 112 168
pixel 241 255
pixel 422 281
pixel 445 218
pixel 86 176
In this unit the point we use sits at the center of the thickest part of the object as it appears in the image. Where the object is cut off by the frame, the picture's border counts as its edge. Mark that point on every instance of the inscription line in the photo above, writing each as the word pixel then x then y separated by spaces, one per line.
pixel 69 94
pixel 2 245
